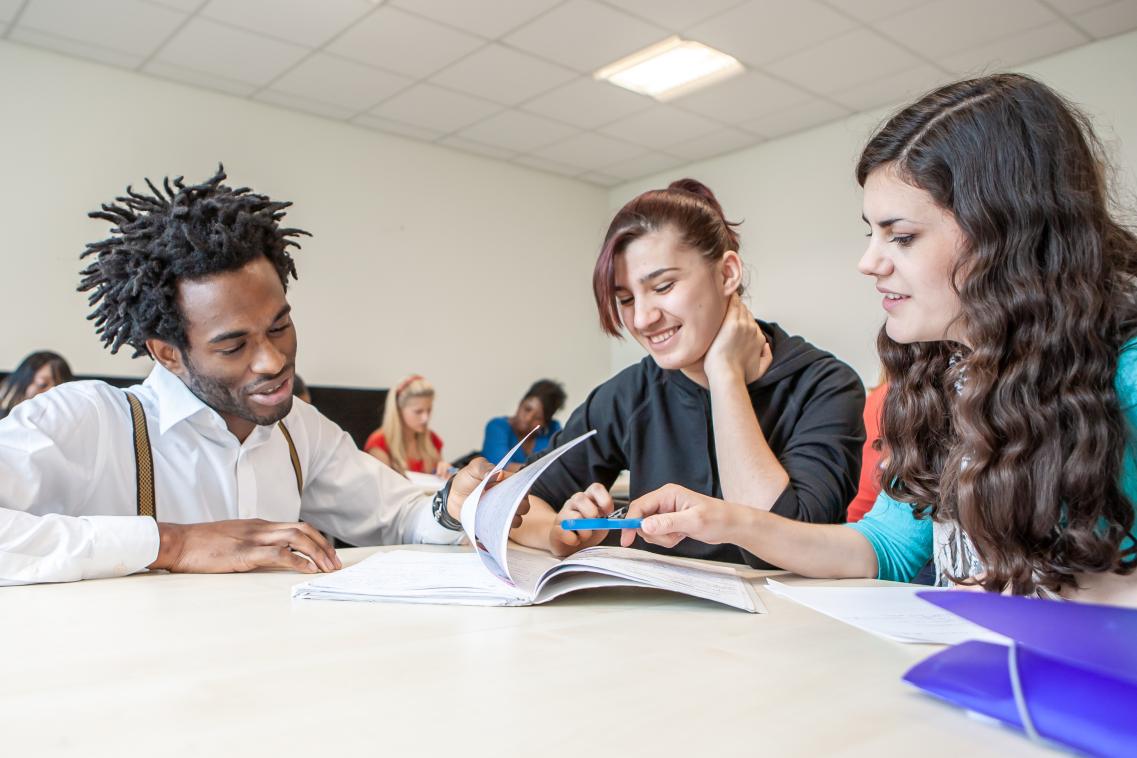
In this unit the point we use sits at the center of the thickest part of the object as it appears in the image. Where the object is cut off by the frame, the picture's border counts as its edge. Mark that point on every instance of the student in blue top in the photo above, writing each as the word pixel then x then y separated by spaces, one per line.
pixel 541 402
pixel 1009 293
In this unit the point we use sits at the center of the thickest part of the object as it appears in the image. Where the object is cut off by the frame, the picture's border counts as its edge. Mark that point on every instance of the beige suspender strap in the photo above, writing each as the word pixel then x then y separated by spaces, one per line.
pixel 143 460
pixel 295 458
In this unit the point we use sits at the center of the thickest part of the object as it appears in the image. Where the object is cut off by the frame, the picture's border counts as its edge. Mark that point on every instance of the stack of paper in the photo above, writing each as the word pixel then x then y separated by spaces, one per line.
pixel 895 613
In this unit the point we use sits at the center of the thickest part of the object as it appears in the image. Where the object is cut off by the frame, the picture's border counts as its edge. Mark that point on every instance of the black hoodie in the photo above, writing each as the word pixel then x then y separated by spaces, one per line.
pixel 657 424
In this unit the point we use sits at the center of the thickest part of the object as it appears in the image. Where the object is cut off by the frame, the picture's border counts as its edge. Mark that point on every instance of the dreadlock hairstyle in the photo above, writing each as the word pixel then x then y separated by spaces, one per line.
pixel 1019 439
pixel 172 234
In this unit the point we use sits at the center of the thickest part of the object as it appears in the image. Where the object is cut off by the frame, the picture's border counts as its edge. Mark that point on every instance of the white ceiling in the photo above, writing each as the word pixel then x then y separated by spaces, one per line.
pixel 511 79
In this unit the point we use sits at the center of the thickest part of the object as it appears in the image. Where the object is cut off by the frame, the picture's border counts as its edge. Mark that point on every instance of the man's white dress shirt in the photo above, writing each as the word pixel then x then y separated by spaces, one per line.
pixel 68 495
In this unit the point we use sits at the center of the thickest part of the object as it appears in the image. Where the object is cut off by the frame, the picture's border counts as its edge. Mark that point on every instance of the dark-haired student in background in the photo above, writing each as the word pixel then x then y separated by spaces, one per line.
pixel 36 373
pixel 724 404
pixel 543 400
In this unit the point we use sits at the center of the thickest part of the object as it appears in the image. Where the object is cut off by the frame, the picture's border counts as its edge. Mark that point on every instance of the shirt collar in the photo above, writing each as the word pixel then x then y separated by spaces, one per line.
pixel 176 402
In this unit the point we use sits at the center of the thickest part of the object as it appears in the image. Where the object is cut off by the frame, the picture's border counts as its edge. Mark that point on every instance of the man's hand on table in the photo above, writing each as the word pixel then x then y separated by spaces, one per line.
pixel 223 547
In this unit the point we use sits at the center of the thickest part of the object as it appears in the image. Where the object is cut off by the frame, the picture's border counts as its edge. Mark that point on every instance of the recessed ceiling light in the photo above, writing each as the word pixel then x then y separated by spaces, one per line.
pixel 670 68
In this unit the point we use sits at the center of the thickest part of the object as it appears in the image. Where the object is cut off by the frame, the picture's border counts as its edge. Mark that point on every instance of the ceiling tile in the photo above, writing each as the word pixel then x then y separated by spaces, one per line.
pixel 214 48
pixel 674 15
pixel 489 18
pixel 470 146
pixel 661 126
pixel 129 26
pixel 874 10
pixel 347 84
pixel 591 151
pixel 651 163
pixel 296 103
pixel 604 180
pixel 544 164
pixel 187 6
pixel 396 127
pixel 1109 20
pixel 404 43
pixel 8 9
pixel 742 98
pixel 517 131
pixel 74 48
pixel 198 79
pixel 796 119
pixel 894 89
pixel 435 108
pixel 950 26
pixel 299 21
pixel 1071 7
pixel 1021 48
pixel 842 62
pixel 716 143
pixel 503 75
pixel 588 103
pixel 761 31
pixel 611 35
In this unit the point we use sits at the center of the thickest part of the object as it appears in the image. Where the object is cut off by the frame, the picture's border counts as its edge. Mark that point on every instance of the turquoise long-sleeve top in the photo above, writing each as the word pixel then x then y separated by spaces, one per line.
pixel 903 543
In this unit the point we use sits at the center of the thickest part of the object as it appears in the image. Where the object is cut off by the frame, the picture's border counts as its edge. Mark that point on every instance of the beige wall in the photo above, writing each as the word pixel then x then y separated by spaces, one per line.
pixel 470 271
pixel 467 270
pixel 802 233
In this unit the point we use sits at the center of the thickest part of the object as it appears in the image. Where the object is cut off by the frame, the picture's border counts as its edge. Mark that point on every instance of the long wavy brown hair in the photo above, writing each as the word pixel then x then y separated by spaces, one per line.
pixel 1019 438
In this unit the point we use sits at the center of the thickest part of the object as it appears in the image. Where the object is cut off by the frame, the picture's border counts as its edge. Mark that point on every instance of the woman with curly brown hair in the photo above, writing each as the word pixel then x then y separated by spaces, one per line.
pixel 1009 342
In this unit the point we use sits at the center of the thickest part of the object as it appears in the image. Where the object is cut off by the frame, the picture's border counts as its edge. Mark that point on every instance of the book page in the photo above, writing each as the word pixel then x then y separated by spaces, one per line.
pixel 469 515
pixel 526 569
pixel 496 506
pixel 662 572
pixel 894 613
pixel 409 575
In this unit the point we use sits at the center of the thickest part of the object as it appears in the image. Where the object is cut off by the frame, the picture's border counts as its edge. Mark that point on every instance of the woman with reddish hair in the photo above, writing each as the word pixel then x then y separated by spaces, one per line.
pixel 725 404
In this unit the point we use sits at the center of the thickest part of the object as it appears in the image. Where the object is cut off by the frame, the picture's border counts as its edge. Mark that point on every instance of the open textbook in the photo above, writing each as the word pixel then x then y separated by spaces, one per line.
pixel 493 574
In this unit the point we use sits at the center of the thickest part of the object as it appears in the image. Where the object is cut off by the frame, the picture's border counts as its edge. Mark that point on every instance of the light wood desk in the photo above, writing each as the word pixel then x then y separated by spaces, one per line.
pixel 171 665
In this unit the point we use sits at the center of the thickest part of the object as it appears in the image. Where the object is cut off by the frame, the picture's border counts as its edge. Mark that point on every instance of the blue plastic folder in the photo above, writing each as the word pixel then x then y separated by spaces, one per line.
pixel 1068 678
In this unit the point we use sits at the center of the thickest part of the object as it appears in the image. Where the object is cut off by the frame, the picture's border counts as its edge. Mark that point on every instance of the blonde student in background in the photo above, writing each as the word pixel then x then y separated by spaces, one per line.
pixel 1009 344
pixel 405 441
pixel 724 403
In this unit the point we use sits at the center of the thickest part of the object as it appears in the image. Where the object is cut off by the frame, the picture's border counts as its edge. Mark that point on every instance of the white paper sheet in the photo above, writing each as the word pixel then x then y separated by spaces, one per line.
pixel 493 508
pixel 471 523
pixel 894 613
pixel 407 575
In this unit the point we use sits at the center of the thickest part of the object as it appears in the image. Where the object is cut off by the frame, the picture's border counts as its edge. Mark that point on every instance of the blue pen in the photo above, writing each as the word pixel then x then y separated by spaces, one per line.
pixel 612 522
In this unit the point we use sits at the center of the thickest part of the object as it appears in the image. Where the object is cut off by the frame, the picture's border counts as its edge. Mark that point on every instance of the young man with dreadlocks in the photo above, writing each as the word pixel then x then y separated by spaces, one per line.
pixel 209 465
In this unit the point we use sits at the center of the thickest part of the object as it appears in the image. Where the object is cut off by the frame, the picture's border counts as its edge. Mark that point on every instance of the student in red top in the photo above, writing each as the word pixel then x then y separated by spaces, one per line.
pixel 404 441
pixel 869 486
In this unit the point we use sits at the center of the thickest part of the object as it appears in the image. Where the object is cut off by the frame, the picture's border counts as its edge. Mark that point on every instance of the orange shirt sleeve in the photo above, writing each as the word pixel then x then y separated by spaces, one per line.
pixel 869 486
